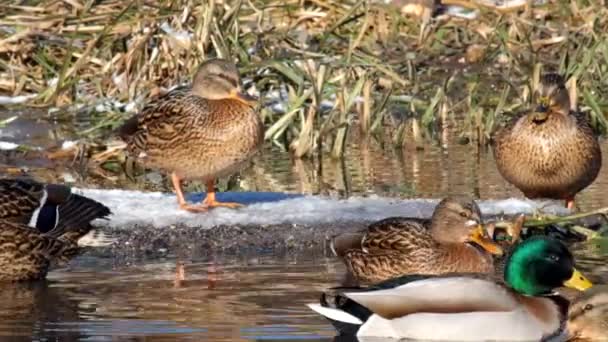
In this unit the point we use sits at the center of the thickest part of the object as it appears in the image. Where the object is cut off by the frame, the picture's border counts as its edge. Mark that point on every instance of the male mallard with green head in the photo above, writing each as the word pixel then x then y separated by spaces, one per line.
pixel 203 132
pixel 552 151
pixel 454 240
pixel 41 223
pixel 465 307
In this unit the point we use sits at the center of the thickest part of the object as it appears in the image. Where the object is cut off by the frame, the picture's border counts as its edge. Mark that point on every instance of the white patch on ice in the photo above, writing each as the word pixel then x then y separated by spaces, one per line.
pixel 11 100
pixel 160 209
pixel 7 145
pixel 68 144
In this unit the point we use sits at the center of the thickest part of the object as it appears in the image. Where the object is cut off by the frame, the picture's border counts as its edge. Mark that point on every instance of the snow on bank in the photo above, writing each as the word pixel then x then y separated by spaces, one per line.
pixel 265 208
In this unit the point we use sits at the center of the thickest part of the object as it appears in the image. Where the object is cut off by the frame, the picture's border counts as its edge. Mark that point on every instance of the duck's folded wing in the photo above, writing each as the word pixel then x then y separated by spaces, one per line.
pixel 19 199
pixel 504 124
pixel 160 120
pixel 454 294
pixel 396 234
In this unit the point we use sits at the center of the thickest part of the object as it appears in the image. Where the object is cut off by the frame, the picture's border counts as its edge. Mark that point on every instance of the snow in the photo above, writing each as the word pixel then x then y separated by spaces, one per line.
pixel 158 209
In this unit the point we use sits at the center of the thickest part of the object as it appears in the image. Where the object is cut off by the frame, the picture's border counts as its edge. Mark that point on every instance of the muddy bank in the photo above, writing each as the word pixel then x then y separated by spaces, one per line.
pixel 182 241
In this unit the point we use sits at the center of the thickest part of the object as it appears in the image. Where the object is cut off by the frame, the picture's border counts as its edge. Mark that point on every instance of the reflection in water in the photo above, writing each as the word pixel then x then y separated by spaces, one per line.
pixel 254 299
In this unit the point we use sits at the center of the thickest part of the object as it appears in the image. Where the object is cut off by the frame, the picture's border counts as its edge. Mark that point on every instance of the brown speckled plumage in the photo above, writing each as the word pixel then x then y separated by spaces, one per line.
pixel 399 246
pixel 203 132
pixel 551 152
pixel 40 223
pixel 25 253
pixel 588 315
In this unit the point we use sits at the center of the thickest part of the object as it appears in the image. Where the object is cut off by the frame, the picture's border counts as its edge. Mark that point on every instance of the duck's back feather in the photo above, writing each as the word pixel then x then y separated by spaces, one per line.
pixel 448 307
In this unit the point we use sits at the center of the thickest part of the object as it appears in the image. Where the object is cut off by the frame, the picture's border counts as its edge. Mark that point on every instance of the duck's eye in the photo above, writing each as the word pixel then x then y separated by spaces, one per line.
pixel 464 214
pixel 553 257
pixel 588 307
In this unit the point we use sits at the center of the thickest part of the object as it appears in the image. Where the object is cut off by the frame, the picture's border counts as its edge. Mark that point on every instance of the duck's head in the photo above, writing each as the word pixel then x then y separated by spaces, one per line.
pixel 458 220
pixel 218 79
pixel 551 97
pixel 588 315
pixel 539 265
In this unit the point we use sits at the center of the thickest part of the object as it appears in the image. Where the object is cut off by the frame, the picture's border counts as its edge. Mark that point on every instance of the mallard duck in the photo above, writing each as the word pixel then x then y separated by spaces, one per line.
pixel 588 315
pixel 199 132
pixel 454 240
pixel 550 152
pixel 41 223
pixel 465 307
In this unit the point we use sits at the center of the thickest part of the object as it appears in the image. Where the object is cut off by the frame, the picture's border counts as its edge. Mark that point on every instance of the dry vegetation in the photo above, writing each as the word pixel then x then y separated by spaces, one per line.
pixel 319 67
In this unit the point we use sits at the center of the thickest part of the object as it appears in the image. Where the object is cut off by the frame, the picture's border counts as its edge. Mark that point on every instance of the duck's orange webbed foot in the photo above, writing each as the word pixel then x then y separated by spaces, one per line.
pixel 211 202
pixel 181 201
pixel 194 208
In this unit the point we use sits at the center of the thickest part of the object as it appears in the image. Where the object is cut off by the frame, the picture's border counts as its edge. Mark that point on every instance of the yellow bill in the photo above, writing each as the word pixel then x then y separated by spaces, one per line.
pixel 480 237
pixel 544 101
pixel 578 281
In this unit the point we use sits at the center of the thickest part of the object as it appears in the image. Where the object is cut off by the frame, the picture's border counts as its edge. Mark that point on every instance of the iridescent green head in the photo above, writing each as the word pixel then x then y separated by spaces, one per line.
pixel 540 264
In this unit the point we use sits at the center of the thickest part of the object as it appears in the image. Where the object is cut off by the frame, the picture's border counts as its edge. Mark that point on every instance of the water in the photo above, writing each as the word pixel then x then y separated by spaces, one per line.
pixel 242 299
pixel 255 299
pixel 97 298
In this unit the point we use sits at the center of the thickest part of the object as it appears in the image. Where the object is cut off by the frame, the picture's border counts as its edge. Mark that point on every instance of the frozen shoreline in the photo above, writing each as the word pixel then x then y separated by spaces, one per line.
pixel 149 224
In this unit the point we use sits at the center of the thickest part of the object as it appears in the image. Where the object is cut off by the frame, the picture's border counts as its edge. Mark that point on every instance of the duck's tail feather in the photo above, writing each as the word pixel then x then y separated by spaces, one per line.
pixel 344 314
pixel 75 215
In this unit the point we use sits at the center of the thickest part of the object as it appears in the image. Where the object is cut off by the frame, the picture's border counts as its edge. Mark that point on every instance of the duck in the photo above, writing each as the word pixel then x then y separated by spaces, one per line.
pixel 551 151
pixel 453 240
pixel 588 315
pixel 464 306
pixel 204 131
pixel 40 224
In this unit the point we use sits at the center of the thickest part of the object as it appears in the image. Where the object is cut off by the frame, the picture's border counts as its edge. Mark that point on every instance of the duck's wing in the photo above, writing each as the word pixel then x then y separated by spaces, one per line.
pixel 20 199
pixel 161 120
pixel 349 308
pixel 583 122
pixel 504 124
pixel 74 217
pixel 396 233
pixel 50 208
pixel 441 294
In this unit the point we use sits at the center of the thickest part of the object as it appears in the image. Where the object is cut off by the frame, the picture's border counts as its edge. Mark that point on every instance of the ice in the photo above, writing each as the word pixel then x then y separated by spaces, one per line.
pixel 12 100
pixel 156 209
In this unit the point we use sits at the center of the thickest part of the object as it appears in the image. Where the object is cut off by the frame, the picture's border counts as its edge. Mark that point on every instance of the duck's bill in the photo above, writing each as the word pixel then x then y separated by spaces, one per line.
pixel 578 281
pixel 244 97
pixel 543 105
pixel 480 237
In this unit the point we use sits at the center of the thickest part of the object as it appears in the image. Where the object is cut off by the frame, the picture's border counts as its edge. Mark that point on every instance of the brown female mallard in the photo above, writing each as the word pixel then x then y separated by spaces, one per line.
pixel 550 152
pixel 588 315
pixel 202 132
pixel 454 240
pixel 41 223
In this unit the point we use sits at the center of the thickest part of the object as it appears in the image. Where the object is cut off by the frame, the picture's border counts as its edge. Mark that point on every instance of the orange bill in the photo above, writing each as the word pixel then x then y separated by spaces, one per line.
pixel 480 237
pixel 243 97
